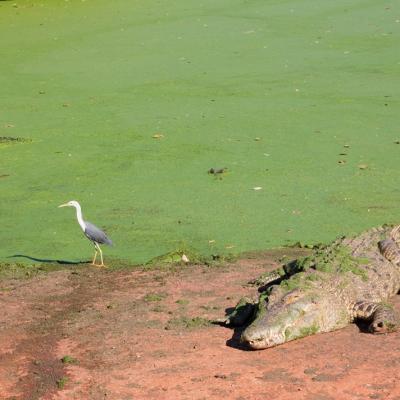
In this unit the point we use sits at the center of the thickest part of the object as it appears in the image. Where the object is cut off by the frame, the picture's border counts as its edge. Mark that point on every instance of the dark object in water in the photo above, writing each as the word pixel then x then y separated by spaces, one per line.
pixel 217 171
pixel 10 139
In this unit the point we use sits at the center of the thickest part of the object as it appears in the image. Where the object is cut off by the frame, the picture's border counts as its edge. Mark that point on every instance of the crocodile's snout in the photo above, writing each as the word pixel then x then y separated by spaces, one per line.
pixel 256 339
pixel 294 316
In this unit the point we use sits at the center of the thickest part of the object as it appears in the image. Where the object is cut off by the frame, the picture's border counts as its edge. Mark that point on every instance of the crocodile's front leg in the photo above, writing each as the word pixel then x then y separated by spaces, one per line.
pixel 275 276
pixel 242 312
pixel 269 278
pixel 382 316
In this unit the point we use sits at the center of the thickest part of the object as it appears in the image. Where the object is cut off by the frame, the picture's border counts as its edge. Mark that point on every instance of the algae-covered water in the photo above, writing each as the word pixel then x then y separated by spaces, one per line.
pixel 127 104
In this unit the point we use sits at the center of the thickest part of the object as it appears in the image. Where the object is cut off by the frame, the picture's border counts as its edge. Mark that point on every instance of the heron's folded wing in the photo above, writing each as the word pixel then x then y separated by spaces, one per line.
pixel 95 234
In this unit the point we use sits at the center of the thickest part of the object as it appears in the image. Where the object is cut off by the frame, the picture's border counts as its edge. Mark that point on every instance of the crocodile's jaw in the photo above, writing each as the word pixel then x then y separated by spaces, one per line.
pixel 258 340
pixel 284 321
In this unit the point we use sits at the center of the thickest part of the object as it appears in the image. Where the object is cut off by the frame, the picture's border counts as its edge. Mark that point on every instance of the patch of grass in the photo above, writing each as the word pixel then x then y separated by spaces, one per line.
pixel 175 259
pixel 302 245
pixel 182 302
pixel 25 271
pixel 158 308
pixel 187 323
pixel 62 382
pixel 69 360
pixel 150 297
pixel 218 260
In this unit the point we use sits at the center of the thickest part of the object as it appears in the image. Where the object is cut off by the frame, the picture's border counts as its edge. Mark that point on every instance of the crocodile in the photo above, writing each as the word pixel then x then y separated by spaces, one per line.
pixel 350 279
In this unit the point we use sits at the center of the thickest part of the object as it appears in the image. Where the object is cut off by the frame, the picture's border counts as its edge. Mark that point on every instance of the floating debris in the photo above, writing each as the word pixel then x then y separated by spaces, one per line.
pixel 185 258
pixel 158 136
pixel 12 140
pixel 362 166
pixel 217 171
pixel 257 188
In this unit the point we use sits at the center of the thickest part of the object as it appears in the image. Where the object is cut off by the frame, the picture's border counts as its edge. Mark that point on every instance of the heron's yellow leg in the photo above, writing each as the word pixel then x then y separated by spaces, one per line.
pixel 94 258
pixel 98 249
pixel 101 257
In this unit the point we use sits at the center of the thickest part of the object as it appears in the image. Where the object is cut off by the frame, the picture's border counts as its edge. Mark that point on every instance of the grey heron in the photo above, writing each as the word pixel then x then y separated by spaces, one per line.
pixel 92 232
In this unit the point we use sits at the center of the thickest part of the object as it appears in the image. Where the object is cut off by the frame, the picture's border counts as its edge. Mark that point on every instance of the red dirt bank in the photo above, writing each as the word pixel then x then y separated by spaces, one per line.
pixel 127 331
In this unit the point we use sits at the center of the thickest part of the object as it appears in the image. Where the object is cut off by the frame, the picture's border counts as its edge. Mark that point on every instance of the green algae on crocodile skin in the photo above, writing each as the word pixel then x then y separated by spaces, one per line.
pixel 351 278
pixel 334 258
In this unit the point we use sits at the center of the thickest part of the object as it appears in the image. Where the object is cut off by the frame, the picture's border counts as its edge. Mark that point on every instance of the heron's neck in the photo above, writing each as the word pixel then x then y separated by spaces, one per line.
pixel 80 218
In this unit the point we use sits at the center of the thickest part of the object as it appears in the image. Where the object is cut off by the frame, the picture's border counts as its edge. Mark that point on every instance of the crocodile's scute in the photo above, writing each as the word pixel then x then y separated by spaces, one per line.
pixel 348 279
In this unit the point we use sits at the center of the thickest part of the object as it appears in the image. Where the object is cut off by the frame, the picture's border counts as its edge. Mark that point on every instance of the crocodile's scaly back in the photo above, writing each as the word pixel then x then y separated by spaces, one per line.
pixel 344 280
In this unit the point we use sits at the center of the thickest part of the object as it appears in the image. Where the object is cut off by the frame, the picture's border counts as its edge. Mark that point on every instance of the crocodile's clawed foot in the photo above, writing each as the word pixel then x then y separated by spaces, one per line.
pixel 394 233
pixel 242 312
pixel 381 327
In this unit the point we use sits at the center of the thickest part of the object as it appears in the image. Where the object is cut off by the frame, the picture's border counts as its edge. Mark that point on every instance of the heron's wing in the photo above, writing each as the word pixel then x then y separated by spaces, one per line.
pixel 95 234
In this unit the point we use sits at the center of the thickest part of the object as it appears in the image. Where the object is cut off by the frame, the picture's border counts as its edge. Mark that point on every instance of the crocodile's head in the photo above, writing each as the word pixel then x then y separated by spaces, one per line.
pixel 295 315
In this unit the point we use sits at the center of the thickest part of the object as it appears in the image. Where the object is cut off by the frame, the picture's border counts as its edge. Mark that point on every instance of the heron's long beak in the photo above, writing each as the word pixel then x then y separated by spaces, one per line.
pixel 63 205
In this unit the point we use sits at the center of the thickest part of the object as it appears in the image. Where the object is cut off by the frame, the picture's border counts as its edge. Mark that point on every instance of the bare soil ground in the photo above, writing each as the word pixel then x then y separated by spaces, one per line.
pixel 130 335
